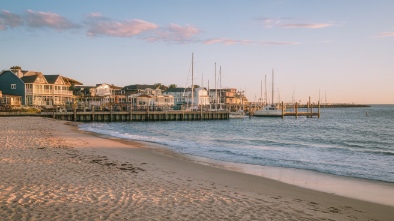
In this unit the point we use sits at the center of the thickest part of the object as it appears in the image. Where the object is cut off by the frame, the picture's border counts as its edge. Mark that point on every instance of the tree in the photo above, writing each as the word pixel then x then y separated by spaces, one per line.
pixel 160 86
pixel 172 86
pixel 157 85
pixel 75 90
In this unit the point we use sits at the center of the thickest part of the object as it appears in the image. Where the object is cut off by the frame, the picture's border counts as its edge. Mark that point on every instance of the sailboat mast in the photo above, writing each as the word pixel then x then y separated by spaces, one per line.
pixel 265 88
pixel 220 85
pixel 192 80
pixel 261 93
pixel 216 91
pixel 272 86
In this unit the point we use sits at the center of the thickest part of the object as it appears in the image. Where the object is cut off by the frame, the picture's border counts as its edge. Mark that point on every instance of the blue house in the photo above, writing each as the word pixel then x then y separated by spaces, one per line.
pixel 11 84
pixel 37 89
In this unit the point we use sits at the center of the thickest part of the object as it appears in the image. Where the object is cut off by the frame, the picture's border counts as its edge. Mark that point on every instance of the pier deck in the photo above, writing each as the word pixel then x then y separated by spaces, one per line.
pixel 123 116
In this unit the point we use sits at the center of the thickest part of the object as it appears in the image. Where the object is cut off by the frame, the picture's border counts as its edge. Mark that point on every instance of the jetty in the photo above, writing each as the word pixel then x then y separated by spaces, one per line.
pixel 309 112
pixel 128 116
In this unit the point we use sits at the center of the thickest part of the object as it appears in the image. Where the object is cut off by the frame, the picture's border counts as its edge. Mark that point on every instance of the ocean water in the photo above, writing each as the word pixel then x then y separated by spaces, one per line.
pixel 344 141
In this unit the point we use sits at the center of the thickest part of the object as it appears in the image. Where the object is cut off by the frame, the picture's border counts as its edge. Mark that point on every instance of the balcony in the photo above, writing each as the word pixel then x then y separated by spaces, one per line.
pixel 57 92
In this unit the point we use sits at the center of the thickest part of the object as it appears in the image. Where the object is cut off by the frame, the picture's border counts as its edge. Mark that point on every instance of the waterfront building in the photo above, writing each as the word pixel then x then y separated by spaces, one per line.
pixel 37 89
pixel 101 95
pixel 229 97
pixel 150 98
pixel 7 100
pixel 183 96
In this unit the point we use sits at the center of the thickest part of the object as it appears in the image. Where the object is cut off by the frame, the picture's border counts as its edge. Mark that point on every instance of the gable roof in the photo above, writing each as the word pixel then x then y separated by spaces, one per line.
pixel 51 78
pixel 29 79
pixel 68 81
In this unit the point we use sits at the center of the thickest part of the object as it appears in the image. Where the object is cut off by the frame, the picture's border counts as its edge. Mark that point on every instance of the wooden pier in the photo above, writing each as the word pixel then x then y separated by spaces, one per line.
pixel 124 116
pixel 308 113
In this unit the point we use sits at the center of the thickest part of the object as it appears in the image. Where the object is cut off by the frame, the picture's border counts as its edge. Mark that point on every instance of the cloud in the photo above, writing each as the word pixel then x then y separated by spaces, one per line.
pixel 283 22
pixel 9 20
pixel 175 33
pixel 226 41
pixel 271 22
pixel 102 26
pixel 278 43
pixel 305 25
pixel 48 20
pixel 386 34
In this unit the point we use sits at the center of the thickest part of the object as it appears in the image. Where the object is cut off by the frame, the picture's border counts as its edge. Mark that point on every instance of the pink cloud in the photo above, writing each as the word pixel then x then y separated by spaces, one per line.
pixel 48 20
pixel 175 33
pixel 227 41
pixel 283 22
pixel 244 42
pixel 102 26
pixel 9 20
pixel 305 25
pixel 386 34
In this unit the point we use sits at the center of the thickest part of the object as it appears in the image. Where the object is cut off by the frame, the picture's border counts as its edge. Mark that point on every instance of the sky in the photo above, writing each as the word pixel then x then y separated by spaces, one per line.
pixel 334 51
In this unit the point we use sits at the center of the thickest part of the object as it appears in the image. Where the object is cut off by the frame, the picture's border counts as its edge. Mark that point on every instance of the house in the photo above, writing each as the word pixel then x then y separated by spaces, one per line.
pixel 228 96
pixel 36 88
pixel 7 100
pixel 99 95
pixel 183 96
pixel 137 89
pixel 178 94
pixel 150 98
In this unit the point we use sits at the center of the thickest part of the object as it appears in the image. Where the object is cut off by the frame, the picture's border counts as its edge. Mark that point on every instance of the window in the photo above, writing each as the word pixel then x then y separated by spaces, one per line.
pixel 13 86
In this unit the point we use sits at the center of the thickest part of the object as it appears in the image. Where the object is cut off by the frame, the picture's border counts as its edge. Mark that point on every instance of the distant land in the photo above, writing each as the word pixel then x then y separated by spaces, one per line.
pixel 335 105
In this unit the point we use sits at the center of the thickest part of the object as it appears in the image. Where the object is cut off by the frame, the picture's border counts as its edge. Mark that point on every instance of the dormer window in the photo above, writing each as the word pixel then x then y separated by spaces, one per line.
pixel 13 86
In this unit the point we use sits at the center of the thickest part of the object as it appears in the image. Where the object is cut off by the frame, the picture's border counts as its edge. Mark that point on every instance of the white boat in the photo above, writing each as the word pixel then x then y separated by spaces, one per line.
pixel 237 114
pixel 270 110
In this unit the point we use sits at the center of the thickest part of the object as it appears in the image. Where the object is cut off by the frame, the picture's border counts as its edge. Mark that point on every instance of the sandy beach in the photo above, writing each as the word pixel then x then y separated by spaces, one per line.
pixel 49 170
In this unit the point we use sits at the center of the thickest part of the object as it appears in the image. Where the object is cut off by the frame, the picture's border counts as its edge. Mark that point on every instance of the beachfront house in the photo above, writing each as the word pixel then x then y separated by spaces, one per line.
pixel 183 97
pixel 37 89
pixel 229 97
pixel 150 98
pixel 9 101
pixel 101 95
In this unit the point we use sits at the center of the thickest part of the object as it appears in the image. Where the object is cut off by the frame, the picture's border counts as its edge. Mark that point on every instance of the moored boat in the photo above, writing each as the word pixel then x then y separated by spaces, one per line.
pixel 237 114
pixel 270 110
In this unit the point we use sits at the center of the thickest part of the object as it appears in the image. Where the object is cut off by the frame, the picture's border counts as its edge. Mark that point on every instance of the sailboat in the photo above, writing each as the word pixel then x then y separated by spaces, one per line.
pixel 270 110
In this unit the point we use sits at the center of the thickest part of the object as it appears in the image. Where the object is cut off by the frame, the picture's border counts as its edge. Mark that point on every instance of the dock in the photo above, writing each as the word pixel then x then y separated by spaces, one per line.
pixel 128 116
pixel 309 113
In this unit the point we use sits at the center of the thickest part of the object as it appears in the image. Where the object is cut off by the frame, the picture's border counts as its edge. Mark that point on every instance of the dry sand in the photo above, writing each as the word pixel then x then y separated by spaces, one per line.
pixel 51 171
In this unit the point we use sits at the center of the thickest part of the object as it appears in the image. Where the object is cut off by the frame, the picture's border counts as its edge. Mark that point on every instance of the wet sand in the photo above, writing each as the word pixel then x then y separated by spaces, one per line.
pixel 51 171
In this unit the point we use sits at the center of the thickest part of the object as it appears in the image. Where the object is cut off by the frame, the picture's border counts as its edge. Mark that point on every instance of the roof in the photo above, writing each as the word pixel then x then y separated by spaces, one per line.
pixel 10 95
pixel 29 79
pixel 178 89
pixel 72 81
pixel 51 78
pixel 139 87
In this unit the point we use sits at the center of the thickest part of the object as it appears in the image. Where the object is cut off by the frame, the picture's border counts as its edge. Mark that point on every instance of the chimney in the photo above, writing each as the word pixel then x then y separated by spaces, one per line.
pixel 17 71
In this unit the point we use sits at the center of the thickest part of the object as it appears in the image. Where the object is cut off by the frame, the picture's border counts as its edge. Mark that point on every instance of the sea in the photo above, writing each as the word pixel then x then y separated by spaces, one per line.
pixel 348 142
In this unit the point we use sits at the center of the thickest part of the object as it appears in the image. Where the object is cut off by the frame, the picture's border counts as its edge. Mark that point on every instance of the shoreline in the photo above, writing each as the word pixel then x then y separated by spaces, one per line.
pixel 51 170
pixel 374 191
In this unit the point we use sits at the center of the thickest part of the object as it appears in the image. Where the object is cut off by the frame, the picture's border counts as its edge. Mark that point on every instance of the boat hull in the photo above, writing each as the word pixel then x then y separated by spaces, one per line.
pixel 268 113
